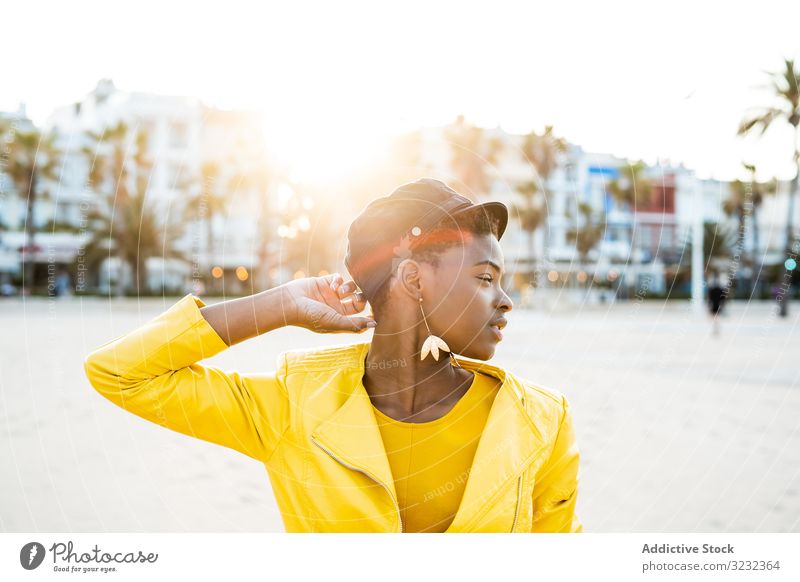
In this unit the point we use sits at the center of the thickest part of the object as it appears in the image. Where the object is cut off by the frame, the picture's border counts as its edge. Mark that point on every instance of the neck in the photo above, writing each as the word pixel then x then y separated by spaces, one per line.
pixel 396 379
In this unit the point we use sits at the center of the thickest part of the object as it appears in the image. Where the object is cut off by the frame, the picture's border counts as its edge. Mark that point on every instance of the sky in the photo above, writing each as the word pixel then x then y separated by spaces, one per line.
pixel 665 81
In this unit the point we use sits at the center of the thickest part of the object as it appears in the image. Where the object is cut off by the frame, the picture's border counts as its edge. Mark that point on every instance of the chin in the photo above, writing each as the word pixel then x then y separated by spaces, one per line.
pixel 483 351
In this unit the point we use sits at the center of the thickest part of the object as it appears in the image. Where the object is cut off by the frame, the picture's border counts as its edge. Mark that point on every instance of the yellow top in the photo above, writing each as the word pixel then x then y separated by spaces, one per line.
pixel 431 461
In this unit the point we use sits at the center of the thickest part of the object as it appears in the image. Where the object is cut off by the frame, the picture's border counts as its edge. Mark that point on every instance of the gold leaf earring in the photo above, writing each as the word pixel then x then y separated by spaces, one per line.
pixel 434 343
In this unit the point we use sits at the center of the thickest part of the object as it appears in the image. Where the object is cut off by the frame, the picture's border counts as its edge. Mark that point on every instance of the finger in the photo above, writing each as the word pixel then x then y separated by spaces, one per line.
pixel 331 281
pixel 360 300
pixel 349 288
pixel 344 299
pixel 335 281
pixel 336 323
pixel 351 299
pixel 346 288
pixel 359 324
pixel 355 303
pixel 330 297
pixel 343 290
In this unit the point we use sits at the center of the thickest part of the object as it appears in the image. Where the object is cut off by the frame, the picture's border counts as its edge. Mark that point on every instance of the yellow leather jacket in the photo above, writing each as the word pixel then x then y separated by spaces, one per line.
pixel 310 421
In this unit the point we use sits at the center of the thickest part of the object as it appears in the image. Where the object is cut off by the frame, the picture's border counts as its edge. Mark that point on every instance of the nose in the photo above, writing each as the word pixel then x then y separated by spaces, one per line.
pixel 505 302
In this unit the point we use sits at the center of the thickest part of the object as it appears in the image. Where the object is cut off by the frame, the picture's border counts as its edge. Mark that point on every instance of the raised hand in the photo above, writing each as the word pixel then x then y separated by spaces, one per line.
pixel 327 304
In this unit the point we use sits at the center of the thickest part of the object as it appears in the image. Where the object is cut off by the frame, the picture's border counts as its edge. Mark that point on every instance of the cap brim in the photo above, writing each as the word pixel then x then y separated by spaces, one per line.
pixel 495 209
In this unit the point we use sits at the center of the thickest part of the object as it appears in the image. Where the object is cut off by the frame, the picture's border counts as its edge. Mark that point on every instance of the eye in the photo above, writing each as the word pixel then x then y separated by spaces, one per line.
pixel 487 278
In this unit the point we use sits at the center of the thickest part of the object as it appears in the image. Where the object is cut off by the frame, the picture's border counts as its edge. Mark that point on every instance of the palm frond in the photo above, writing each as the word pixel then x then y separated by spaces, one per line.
pixel 762 121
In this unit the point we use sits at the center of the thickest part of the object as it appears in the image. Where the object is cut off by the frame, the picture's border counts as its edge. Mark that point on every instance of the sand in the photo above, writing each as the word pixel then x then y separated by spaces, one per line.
pixel 679 430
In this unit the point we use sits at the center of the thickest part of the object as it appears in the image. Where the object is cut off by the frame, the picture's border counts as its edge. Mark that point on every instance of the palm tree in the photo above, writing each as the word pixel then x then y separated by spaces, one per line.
pixel 738 205
pixel 209 202
pixel 786 89
pixel 253 182
pixel 745 199
pixel 587 232
pixel 472 156
pixel 125 222
pixel 542 152
pixel 719 242
pixel 109 175
pixel 531 215
pixel 31 158
pixel 631 189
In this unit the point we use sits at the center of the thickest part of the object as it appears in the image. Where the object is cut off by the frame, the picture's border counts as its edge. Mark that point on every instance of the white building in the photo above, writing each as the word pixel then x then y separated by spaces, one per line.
pixel 184 136
pixel 12 203
pixel 660 230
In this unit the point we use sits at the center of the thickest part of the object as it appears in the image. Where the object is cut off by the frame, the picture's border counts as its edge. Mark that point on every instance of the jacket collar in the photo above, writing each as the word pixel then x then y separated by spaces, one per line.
pixel 509 442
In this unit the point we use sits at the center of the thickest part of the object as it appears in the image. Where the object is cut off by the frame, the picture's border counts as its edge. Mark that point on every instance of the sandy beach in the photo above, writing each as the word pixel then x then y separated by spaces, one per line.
pixel 679 430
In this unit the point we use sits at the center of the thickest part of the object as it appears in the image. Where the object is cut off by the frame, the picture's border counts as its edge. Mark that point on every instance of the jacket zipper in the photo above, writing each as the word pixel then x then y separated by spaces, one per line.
pixel 397 507
pixel 519 496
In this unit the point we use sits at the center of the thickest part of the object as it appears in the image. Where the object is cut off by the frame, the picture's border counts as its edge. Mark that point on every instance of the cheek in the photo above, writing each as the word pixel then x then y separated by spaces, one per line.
pixel 463 309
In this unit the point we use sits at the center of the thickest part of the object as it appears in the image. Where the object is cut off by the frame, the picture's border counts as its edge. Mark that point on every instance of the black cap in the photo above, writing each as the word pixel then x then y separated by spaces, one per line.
pixel 375 238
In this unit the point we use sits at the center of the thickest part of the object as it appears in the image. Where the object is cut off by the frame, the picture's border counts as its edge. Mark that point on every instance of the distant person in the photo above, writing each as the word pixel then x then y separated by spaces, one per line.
pixel 779 295
pixel 380 435
pixel 716 302
pixel 63 284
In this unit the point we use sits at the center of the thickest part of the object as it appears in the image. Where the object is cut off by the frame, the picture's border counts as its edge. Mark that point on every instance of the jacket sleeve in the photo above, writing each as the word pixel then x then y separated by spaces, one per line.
pixel 556 489
pixel 153 373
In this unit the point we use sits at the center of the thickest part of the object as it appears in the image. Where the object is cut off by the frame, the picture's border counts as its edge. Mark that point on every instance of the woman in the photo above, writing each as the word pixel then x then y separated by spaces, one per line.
pixel 396 434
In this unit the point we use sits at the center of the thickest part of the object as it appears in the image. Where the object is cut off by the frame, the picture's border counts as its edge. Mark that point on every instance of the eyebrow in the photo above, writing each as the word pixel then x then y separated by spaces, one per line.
pixel 491 264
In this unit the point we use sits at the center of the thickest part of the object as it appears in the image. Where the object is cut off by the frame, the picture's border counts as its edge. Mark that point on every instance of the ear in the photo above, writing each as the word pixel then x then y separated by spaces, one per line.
pixel 409 279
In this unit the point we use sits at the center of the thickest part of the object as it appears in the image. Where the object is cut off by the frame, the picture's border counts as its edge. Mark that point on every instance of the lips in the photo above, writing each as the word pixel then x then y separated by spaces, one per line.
pixel 497 325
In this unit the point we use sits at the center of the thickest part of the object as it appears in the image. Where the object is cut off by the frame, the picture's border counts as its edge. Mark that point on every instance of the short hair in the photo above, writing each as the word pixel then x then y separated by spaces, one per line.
pixel 430 245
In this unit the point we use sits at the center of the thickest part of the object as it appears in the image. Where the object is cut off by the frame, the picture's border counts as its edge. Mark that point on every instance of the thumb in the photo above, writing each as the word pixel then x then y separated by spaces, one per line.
pixel 355 324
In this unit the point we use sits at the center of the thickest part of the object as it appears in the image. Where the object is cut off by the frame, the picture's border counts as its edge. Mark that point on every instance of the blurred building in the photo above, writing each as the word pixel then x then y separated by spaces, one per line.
pixel 210 181
pixel 645 248
pixel 187 142
pixel 12 203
